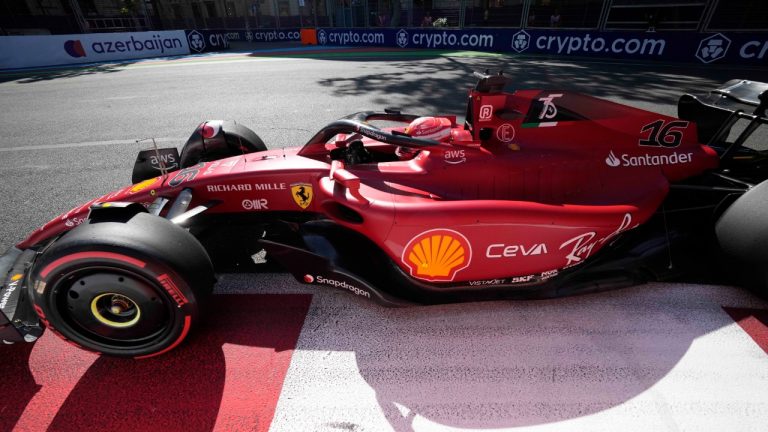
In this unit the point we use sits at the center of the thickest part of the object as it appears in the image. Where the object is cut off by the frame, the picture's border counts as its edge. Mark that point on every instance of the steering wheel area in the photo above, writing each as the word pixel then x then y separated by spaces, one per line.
pixel 357 124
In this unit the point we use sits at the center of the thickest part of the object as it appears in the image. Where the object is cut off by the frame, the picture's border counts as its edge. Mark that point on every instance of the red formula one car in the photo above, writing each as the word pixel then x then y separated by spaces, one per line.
pixel 538 194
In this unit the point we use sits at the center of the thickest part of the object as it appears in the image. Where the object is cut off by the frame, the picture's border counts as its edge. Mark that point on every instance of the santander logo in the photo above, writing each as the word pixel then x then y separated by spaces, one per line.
pixel 74 48
pixel 612 160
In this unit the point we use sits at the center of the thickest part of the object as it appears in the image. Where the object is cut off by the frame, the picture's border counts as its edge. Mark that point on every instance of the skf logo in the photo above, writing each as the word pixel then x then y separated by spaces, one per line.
pixel 196 41
pixel 521 41
pixel 713 48
pixel 322 38
pixel 437 255
pixel 402 38
pixel 302 194
pixel 74 48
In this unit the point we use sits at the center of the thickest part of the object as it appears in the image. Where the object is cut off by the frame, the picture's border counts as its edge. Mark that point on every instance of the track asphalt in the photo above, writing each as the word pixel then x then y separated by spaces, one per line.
pixel 278 355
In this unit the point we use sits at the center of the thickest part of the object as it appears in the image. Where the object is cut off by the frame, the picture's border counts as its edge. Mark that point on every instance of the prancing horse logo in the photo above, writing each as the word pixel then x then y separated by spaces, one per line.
pixel 302 194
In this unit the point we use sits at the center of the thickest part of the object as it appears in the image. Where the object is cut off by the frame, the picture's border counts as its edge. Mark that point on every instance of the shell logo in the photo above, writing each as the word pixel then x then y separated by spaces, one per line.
pixel 437 255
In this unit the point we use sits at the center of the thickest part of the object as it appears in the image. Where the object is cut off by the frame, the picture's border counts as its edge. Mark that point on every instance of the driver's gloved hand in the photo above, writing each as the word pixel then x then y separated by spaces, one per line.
pixel 357 153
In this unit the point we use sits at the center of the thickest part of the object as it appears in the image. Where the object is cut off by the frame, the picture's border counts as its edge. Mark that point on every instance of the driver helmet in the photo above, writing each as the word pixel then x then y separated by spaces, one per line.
pixel 434 128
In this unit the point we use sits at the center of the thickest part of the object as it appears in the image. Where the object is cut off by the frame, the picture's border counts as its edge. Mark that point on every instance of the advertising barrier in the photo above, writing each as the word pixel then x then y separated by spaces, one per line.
pixel 281 35
pixel 712 48
pixel 705 49
pixel 201 41
pixel 53 50
pixel 35 51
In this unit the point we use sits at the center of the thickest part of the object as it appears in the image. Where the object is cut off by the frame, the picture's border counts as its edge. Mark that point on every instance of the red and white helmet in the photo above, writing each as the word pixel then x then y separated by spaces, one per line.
pixel 434 128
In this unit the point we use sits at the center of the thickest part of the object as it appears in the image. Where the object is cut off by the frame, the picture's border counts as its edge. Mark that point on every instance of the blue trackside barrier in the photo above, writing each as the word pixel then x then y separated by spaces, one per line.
pixel 702 48
pixel 21 52
pixel 748 49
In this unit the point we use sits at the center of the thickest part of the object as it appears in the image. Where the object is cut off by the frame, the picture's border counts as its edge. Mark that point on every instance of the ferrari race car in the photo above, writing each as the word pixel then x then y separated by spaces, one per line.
pixel 537 194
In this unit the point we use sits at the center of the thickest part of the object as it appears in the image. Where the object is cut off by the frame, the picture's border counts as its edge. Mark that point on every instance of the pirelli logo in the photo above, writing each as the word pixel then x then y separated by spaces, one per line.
pixel 172 289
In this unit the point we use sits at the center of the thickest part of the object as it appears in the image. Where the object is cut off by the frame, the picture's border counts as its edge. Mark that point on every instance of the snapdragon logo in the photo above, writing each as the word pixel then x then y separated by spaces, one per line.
pixel 322 38
pixel 713 48
pixel 74 48
pixel 521 41
pixel 402 38
pixel 196 41
pixel 341 284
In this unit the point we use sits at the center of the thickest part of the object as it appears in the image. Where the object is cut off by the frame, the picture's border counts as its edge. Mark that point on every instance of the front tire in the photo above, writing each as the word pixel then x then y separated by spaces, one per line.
pixel 124 288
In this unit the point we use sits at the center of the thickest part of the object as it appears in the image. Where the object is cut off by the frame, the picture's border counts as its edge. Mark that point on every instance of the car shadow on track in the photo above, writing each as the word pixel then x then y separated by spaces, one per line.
pixel 474 365
pixel 244 346
pixel 33 76
pixel 512 364
pixel 441 86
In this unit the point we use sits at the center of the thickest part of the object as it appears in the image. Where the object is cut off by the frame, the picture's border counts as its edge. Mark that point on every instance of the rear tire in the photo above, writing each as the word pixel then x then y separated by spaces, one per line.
pixel 126 289
pixel 742 232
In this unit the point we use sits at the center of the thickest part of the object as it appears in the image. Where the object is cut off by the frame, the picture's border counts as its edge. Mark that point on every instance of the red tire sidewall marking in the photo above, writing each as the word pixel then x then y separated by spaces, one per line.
pixel 174 292
pixel 90 255
pixel 187 326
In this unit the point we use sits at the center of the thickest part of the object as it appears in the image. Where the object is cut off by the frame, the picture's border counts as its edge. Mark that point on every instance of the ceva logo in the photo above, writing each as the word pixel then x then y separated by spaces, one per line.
pixel 74 48
pixel 402 38
pixel 713 48
pixel 521 41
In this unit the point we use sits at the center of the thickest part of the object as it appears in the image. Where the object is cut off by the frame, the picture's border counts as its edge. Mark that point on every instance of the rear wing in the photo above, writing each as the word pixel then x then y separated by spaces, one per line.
pixel 716 112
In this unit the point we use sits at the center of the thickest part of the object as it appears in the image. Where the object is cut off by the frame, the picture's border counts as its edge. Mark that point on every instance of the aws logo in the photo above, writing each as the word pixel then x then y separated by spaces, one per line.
pixel 437 255
pixel 74 48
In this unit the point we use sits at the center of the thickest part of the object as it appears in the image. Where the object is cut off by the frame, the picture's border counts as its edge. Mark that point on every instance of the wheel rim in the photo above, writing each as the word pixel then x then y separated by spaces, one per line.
pixel 115 310
pixel 114 307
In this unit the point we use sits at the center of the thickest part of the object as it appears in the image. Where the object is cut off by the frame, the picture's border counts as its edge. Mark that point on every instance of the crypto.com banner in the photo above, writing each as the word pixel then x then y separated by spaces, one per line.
pixel 278 35
pixel 709 48
pixel 36 51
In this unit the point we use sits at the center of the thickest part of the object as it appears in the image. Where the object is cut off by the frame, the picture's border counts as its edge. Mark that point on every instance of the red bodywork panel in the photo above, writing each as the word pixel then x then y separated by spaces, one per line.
pixel 543 180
